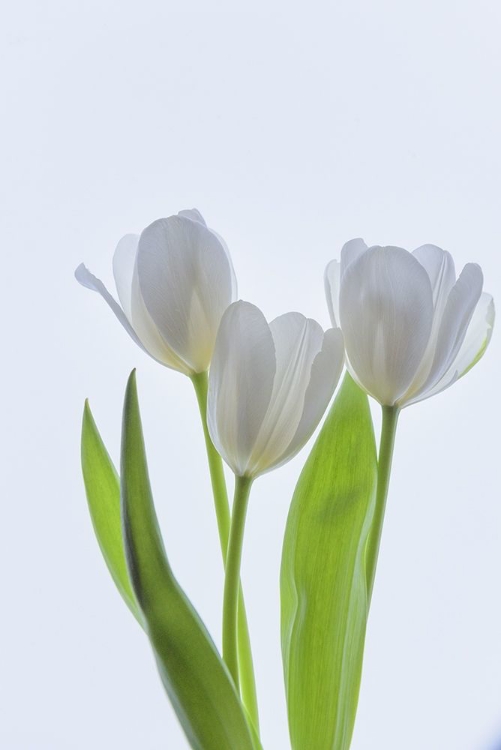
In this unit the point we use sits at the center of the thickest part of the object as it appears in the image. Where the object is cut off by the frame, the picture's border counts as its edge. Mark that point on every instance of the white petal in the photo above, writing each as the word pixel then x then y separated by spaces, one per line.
pixel 234 287
pixel 193 214
pixel 297 342
pixel 456 317
pixel 439 266
pixel 149 341
pixel 386 310
pixel 124 260
pixel 332 279
pixel 125 272
pixel 149 333
pixel 473 347
pixel 325 373
pixel 87 279
pixel 186 282
pixel 478 335
pixel 351 250
pixel 240 383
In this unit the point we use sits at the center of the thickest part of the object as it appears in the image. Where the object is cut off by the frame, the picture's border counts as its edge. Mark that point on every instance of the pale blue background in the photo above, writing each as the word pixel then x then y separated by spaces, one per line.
pixel 293 128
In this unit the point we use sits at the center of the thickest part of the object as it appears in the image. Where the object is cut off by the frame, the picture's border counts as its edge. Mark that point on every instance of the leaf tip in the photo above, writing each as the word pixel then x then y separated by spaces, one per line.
pixel 87 417
pixel 132 381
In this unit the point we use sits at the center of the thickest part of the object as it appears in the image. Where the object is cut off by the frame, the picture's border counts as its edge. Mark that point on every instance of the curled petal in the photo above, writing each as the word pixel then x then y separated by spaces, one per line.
pixel 325 373
pixel 139 326
pixel 454 323
pixel 88 280
pixel 478 335
pixel 386 310
pixel 439 266
pixel 297 341
pixel 475 343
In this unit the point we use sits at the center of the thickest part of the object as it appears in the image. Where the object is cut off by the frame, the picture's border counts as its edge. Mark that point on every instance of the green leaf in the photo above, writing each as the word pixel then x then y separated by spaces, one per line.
pixel 102 487
pixel 194 677
pixel 324 593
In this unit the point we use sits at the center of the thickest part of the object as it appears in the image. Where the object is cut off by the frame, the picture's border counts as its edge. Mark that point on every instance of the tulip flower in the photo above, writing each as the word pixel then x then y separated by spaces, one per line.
pixel 269 385
pixel 411 329
pixel 174 281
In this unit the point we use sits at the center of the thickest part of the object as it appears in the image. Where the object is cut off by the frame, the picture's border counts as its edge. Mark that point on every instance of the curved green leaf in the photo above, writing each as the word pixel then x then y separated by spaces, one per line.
pixel 324 593
pixel 191 669
pixel 102 487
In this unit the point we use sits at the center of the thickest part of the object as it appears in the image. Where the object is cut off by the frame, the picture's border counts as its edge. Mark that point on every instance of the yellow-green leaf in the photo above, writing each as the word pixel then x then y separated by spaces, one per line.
pixel 324 593
pixel 102 487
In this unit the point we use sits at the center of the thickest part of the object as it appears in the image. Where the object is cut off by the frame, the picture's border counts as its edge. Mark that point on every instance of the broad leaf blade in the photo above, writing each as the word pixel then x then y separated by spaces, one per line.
pixel 102 487
pixel 323 580
pixel 191 669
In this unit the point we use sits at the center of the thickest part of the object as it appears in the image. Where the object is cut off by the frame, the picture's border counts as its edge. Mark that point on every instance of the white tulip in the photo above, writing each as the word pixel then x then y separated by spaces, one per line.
pixel 269 385
pixel 174 282
pixel 411 328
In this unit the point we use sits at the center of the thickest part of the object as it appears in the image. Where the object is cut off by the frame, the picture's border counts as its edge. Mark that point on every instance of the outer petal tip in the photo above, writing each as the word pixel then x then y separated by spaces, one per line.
pixel 351 251
pixel 83 275
pixel 193 214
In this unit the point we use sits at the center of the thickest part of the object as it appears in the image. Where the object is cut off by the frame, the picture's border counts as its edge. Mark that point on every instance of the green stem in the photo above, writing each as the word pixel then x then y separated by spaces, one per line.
pixel 247 680
pixel 386 445
pixel 232 578
pixel 200 383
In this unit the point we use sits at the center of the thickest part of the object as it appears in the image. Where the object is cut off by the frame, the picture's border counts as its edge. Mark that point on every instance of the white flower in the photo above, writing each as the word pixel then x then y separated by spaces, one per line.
pixel 269 385
pixel 174 283
pixel 410 328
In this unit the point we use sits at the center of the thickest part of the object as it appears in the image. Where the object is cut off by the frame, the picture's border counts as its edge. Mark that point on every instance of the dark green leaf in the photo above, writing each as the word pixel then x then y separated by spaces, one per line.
pixel 191 669
pixel 323 578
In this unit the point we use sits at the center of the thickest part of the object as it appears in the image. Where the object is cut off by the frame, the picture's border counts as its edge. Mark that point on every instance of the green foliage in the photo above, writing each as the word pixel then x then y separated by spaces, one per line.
pixel 102 486
pixel 324 594
pixel 194 677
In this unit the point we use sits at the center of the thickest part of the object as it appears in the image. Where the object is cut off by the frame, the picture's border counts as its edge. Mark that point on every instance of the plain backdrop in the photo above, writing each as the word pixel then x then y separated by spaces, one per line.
pixel 293 127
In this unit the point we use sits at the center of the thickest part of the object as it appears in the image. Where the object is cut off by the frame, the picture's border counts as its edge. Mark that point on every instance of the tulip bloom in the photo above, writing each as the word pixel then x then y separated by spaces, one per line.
pixel 411 329
pixel 174 282
pixel 269 385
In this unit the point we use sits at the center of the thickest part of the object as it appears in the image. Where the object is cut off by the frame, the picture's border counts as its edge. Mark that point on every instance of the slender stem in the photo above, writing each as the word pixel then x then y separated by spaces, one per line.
pixel 247 680
pixel 386 445
pixel 232 578
pixel 200 383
